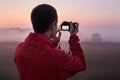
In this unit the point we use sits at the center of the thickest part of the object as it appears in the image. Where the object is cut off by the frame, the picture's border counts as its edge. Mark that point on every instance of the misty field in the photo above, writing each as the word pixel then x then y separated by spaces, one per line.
pixel 103 61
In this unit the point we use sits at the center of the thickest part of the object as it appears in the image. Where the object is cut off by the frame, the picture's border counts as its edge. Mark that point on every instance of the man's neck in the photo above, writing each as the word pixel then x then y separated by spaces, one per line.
pixel 47 33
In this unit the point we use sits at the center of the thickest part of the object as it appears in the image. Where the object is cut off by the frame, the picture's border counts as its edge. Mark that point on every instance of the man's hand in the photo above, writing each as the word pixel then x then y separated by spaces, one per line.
pixel 56 38
pixel 72 29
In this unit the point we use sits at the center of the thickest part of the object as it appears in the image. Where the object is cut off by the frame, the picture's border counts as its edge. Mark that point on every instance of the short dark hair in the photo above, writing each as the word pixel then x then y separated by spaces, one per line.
pixel 42 16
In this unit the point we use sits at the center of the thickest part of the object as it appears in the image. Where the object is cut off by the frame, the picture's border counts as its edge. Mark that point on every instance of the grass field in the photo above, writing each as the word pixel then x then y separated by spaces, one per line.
pixel 103 61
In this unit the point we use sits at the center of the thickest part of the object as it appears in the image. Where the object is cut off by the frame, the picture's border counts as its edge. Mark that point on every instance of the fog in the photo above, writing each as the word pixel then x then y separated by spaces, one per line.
pixel 13 34
pixel 85 33
pixel 111 34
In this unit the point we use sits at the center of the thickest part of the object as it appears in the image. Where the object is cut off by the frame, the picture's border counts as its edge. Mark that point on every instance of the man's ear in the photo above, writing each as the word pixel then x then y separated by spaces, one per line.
pixel 51 26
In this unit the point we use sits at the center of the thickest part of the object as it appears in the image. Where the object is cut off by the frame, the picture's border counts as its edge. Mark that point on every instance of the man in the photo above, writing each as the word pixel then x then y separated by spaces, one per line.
pixel 38 58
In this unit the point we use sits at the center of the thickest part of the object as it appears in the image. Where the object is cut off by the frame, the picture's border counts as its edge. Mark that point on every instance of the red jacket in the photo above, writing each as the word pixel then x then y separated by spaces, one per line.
pixel 38 59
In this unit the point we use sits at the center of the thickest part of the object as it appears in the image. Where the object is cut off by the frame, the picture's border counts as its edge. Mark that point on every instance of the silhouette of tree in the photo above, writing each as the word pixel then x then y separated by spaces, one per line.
pixel 96 37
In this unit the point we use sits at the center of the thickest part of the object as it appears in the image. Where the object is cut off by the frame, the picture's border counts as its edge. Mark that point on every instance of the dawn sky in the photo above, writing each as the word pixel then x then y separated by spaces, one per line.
pixel 101 16
pixel 87 12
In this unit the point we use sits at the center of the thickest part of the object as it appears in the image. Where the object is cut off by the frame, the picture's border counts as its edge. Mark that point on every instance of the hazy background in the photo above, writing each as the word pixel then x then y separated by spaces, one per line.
pixel 107 35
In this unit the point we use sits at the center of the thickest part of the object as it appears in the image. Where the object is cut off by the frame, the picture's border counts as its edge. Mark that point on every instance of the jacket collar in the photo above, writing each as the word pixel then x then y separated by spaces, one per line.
pixel 38 39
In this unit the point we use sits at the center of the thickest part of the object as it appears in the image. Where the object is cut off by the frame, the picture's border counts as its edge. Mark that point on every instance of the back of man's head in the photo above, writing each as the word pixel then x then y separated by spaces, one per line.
pixel 42 16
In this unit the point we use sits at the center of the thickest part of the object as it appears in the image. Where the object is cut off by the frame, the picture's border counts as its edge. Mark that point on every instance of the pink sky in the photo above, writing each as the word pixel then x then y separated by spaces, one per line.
pixel 87 12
